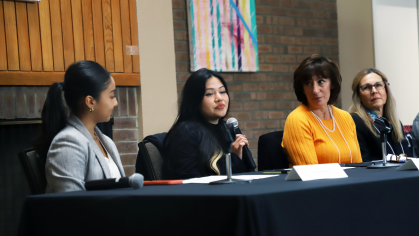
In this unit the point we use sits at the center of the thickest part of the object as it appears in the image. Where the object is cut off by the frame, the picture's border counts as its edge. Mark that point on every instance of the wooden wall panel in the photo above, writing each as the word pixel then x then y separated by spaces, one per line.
pixel 117 37
pixel 3 55
pixel 48 78
pixel 126 35
pixel 134 34
pixel 23 36
pixel 35 37
pixel 67 27
pixel 11 35
pixel 77 30
pixel 107 33
pixel 98 32
pixel 38 41
pixel 89 43
pixel 57 35
pixel 45 23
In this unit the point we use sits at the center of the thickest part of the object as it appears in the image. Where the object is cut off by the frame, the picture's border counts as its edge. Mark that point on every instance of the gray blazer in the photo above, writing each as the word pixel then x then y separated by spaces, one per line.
pixel 74 158
pixel 415 135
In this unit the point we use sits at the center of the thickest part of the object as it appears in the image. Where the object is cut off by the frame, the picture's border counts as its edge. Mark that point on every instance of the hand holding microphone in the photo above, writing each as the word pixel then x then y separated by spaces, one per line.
pixel 238 144
pixel 233 127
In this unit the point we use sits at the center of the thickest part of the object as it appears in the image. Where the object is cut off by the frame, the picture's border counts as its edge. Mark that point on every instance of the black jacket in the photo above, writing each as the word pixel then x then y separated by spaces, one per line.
pixel 181 150
pixel 370 145
pixel 415 134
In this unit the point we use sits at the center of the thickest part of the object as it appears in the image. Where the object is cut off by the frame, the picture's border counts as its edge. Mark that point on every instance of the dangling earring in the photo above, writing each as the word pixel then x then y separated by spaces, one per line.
pixel 92 109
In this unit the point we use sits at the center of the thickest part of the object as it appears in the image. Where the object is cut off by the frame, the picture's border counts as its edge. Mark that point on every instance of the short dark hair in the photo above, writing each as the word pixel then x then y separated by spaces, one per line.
pixel 319 66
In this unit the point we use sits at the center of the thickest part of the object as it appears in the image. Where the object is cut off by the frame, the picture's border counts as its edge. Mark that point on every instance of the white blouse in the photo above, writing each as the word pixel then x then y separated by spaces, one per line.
pixel 111 164
pixel 112 167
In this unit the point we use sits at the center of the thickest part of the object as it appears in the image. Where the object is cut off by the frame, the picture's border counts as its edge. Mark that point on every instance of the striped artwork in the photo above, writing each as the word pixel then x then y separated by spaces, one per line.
pixel 222 35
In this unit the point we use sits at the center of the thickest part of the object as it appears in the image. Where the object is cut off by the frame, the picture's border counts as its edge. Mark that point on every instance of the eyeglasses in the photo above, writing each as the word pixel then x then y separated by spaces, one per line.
pixel 367 88
pixel 398 158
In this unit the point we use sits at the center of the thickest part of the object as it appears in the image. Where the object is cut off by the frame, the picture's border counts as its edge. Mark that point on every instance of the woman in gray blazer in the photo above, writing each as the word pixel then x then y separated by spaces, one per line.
pixel 75 149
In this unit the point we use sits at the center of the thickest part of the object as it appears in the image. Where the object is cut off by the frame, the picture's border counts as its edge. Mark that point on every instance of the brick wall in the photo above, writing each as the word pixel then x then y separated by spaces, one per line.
pixel 288 32
pixel 24 102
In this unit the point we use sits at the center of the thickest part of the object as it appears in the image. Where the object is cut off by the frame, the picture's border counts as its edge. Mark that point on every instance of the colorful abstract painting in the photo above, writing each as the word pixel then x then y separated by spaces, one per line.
pixel 222 35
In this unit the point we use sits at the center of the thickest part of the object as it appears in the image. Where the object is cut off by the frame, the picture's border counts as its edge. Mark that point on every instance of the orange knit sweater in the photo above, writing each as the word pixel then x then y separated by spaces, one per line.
pixel 305 141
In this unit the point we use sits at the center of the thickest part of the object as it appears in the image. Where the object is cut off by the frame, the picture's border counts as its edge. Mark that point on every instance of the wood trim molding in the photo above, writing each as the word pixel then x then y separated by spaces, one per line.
pixel 48 78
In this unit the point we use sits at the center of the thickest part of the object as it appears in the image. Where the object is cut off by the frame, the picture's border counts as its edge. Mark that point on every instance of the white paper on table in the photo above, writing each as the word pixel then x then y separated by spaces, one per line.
pixel 412 164
pixel 208 179
pixel 320 171
pixel 347 167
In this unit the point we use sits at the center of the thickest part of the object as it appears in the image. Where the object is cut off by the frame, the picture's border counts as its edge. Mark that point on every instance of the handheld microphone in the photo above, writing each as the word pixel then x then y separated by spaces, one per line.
pixel 134 181
pixel 233 126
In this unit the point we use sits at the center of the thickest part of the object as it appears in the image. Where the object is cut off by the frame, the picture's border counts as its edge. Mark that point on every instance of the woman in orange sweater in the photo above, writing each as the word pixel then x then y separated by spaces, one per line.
pixel 317 132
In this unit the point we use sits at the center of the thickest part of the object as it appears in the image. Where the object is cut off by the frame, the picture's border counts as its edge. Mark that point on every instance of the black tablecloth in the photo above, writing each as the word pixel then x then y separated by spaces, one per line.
pixel 369 202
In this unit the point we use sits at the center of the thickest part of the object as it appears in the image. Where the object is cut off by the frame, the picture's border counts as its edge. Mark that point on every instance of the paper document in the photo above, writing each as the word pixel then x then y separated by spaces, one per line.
pixel 208 179
pixel 347 167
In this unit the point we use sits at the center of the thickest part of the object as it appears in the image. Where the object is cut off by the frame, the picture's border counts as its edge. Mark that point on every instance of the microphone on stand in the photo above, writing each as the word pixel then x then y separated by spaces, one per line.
pixel 385 128
pixel 228 140
pixel 233 126
pixel 135 181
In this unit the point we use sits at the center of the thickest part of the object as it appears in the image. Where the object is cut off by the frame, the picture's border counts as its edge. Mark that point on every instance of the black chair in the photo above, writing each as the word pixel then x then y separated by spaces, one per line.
pixel 151 162
pixel 34 168
pixel 271 154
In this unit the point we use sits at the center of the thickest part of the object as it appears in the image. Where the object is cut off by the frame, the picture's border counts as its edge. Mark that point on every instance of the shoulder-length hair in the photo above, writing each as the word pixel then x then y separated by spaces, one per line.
pixel 321 67
pixel 389 109
pixel 190 110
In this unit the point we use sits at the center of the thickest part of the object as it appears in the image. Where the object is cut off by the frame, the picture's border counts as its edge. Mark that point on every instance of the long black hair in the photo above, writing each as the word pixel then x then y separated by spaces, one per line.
pixel 81 79
pixel 190 110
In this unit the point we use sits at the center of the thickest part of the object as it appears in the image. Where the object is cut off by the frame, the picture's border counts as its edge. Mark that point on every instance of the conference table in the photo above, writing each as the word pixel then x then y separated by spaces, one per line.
pixel 368 202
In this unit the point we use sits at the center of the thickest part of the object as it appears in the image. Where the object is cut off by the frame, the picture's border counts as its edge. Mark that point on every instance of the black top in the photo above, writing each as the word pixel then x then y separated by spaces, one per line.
pixel 370 145
pixel 182 154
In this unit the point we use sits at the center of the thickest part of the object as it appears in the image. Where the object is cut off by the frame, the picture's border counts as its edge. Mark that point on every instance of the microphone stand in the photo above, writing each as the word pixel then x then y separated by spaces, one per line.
pixel 228 151
pixel 383 138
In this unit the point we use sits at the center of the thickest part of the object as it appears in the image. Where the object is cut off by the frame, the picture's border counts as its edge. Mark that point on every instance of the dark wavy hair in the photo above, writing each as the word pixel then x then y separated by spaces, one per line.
pixel 319 66
pixel 190 110
pixel 81 79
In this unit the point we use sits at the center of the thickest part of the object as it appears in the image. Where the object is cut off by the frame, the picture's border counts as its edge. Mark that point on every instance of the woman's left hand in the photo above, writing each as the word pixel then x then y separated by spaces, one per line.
pixel 237 146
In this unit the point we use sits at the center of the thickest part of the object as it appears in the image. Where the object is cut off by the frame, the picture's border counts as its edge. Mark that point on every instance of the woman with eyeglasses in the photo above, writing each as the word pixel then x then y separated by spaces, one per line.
pixel 371 100
pixel 317 132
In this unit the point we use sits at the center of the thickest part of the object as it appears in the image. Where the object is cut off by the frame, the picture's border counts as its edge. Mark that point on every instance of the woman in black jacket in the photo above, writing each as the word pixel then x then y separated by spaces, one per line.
pixel 194 145
pixel 371 99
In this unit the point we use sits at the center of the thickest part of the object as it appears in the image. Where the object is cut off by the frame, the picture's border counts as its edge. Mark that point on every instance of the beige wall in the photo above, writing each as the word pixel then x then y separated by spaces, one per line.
pixel 396 52
pixel 356 42
pixel 157 98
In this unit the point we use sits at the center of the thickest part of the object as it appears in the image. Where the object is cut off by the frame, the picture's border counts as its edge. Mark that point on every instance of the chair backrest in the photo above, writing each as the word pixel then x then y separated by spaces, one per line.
pixel 152 160
pixel 271 154
pixel 34 168
pixel 407 128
